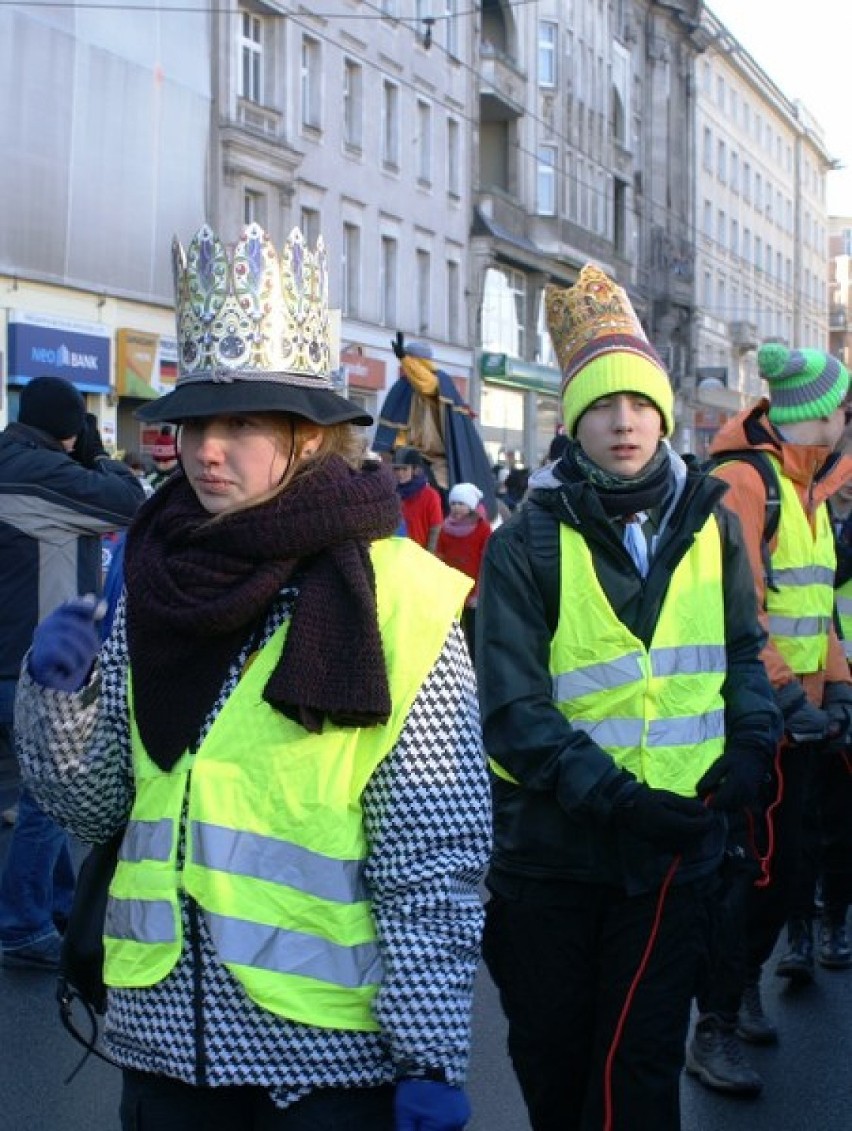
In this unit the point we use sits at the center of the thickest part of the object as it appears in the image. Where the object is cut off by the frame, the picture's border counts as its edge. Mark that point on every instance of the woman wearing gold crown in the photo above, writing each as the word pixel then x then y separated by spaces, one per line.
pixel 284 719
pixel 625 711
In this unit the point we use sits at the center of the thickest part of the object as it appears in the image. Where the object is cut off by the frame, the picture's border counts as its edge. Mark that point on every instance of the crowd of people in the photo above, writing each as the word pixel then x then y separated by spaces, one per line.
pixel 333 700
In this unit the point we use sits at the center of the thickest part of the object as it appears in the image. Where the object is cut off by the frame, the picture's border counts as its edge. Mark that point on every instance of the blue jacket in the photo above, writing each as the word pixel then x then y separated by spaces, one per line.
pixel 53 513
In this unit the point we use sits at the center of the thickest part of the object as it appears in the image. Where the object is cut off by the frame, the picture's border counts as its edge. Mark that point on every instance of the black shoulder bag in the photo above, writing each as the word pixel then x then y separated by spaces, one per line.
pixel 81 964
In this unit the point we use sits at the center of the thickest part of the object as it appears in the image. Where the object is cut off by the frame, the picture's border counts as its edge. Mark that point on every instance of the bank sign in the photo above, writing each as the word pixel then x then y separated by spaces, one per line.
pixel 79 352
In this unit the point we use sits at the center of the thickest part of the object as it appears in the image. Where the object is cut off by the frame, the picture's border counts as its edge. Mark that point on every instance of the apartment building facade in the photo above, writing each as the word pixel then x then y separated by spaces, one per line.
pixel 585 152
pixel 761 229
pixel 456 159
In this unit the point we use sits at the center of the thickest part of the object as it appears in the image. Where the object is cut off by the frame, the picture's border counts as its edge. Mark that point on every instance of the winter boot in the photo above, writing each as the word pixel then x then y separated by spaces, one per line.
pixel 834 949
pixel 715 1057
pixel 798 963
pixel 752 1023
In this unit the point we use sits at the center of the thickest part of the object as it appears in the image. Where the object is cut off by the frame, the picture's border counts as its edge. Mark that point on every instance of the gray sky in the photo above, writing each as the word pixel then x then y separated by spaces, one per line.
pixel 803 45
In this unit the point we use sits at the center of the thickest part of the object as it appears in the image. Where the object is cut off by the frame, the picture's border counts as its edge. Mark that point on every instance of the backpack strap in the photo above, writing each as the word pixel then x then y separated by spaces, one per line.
pixel 541 529
pixel 769 477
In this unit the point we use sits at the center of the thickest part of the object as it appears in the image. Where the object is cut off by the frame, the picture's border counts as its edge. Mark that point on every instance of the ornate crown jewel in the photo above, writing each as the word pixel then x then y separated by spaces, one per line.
pixel 245 313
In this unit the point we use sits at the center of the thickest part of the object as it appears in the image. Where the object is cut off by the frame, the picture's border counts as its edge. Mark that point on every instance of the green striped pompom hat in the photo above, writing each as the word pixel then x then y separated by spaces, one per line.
pixel 803 384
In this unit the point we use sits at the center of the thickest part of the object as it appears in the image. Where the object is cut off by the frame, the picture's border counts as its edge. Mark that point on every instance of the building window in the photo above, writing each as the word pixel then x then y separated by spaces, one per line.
pixel 387 282
pixel 390 125
pixel 708 149
pixel 503 315
pixel 424 143
pixel 453 158
pixel 722 162
pixel 353 104
pixel 708 219
pixel 451 27
pixel 453 301
pixel 735 172
pixel 254 207
pixel 546 53
pixel 424 287
pixel 309 222
pixel 251 57
pixel 546 181
pixel 350 275
pixel 735 237
pixel 311 74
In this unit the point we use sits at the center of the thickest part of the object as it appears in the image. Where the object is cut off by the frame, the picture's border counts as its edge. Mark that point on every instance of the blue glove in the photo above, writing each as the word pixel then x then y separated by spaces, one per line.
pixel 65 645
pixel 429 1105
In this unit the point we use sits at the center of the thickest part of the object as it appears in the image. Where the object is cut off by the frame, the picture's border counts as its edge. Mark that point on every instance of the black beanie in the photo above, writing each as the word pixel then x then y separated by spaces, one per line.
pixel 54 405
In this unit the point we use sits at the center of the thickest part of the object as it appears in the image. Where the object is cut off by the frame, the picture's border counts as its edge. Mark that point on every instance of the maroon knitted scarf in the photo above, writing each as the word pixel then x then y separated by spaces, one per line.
pixel 199 589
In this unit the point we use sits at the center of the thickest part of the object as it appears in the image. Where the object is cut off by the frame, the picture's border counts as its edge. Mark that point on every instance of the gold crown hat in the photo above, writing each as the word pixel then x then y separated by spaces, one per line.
pixel 252 331
pixel 602 348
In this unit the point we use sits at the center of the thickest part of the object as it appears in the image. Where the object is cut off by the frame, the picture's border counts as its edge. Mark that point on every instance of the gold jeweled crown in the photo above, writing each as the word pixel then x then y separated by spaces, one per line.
pixel 594 308
pixel 245 313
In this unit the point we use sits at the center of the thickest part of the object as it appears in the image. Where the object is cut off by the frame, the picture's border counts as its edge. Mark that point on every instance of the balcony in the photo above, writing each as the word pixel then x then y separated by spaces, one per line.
pixel 838 319
pixel 259 119
pixel 502 87
pixel 743 336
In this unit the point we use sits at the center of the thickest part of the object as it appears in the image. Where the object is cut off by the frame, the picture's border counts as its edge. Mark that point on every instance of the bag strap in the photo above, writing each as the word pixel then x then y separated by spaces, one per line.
pixel 764 467
pixel 542 535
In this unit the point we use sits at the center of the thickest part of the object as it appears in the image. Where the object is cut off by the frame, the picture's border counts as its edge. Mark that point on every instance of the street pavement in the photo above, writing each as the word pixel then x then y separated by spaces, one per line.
pixel 808 1077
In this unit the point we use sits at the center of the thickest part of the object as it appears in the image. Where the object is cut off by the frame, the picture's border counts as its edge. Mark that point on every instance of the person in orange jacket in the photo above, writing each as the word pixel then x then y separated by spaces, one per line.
pixel 788 442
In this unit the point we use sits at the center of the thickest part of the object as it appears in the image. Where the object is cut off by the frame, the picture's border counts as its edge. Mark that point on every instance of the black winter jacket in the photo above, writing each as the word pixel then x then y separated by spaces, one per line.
pixel 53 512
pixel 556 825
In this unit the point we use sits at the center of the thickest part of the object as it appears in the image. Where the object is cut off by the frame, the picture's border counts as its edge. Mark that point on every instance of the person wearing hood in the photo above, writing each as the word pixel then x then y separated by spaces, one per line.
pixel 461 544
pixel 780 461
pixel 625 711
pixel 283 723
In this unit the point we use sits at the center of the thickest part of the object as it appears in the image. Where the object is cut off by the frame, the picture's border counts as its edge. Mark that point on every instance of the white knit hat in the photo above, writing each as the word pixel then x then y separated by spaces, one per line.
pixel 467 493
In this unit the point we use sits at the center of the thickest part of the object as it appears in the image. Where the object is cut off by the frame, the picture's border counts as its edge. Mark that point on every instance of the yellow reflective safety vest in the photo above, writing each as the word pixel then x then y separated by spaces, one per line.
pixel 800 602
pixel 658 711
pixel 843 601
pixel 275 845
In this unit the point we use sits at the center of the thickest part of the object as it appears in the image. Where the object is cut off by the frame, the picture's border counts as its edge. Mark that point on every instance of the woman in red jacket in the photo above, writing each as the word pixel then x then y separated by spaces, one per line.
pixel 461 544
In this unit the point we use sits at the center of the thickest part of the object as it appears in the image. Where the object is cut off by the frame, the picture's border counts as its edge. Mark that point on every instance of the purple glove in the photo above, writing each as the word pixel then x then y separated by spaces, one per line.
pixel 429 1105
pixel 65 645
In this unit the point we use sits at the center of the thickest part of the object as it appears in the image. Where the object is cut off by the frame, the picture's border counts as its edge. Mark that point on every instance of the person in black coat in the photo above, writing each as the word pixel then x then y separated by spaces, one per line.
pixel 625 711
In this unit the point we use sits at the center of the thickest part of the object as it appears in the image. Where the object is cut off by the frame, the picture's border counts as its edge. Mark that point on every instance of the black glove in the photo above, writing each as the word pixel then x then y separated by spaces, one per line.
pixel 802 721
pixel 734 780
pixel 398 347
pixel 670 821
pixel 837 704
pixel 89 446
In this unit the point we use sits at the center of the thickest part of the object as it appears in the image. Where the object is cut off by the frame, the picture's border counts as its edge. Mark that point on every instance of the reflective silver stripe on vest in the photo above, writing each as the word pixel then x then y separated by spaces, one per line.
pixel 795 576
pixel 241 853
pixel 798 626
pixel 596 677
pixel 291 952
pixel 612 732
pixel 847 649
pixel 844 606
pixel 147 840
pixel 686 730
pixel 688 659
pixel 147 921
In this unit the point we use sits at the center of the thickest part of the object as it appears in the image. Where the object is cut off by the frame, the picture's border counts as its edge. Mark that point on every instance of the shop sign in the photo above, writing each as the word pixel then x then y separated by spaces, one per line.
pixel 135 363
pixel 41 345
pixel 363 372
pixel 505 370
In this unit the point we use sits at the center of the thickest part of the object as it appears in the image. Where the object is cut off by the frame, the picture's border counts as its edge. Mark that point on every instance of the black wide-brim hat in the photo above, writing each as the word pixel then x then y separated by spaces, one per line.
pixel 193 399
